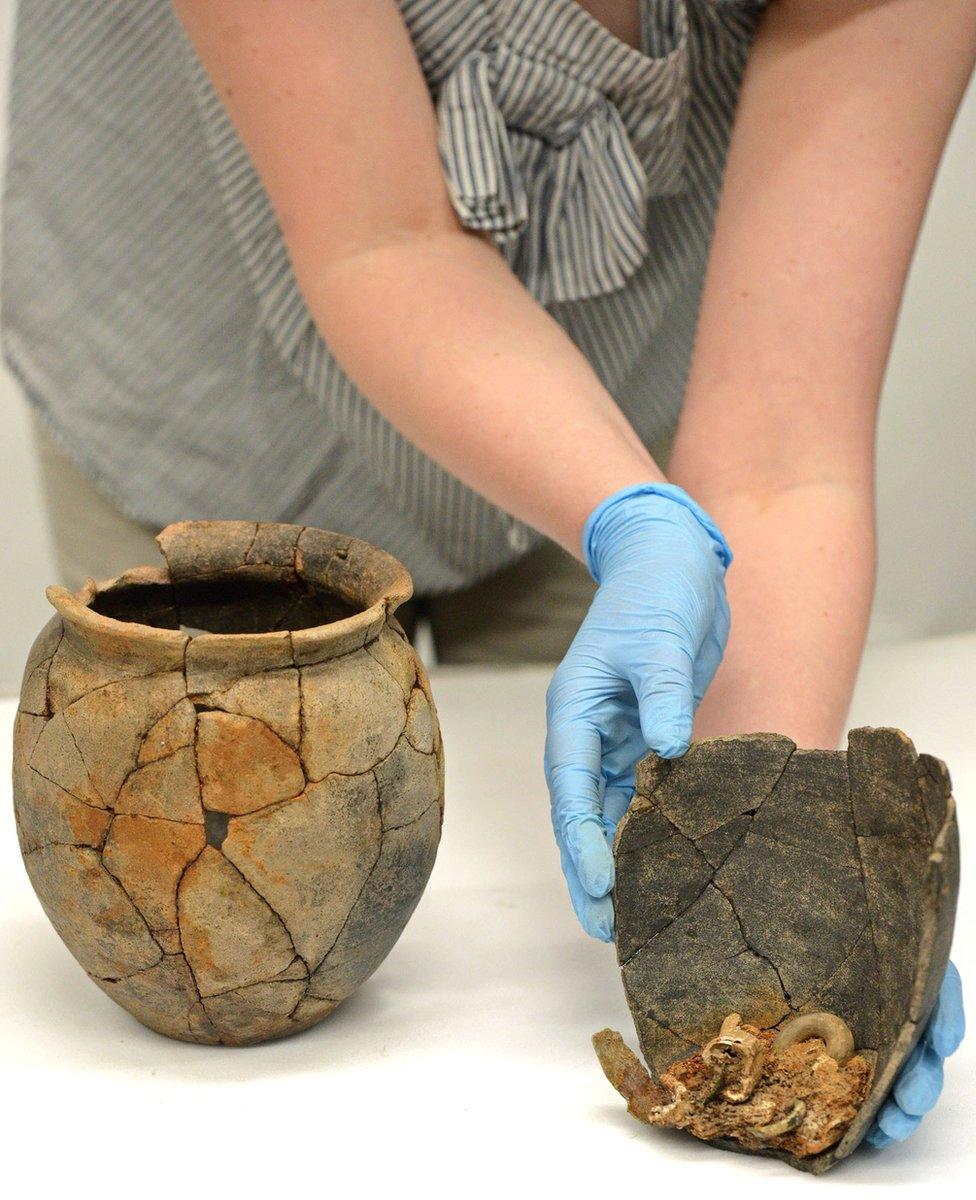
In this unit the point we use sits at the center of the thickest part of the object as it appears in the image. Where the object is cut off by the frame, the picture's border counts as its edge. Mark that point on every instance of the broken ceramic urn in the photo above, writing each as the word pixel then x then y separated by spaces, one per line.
pixel 783 923
pixel 228 777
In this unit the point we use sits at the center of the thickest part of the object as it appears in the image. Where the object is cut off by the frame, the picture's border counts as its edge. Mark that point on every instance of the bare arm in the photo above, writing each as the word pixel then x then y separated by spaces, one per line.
pixel 843 116
pixel 425 316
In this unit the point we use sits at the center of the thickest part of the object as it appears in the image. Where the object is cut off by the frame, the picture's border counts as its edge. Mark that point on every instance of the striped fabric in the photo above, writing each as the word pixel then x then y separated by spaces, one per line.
pixel 151 313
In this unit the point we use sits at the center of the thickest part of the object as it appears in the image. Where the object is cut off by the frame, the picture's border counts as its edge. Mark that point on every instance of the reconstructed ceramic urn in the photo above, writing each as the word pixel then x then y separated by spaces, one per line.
pixel 783 923
pixel 228 777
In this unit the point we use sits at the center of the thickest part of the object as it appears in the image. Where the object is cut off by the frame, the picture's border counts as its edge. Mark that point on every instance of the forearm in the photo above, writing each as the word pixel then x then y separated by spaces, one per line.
pixel 843 114
pixel 425 316
pixel 449 346
pixel 800 594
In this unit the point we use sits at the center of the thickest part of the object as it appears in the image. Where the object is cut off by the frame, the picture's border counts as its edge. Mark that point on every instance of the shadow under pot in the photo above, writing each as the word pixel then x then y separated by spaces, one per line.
pixel 228 777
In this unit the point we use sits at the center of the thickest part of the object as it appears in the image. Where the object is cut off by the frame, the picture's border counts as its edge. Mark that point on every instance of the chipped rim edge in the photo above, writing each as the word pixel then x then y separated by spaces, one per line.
pixel 75 609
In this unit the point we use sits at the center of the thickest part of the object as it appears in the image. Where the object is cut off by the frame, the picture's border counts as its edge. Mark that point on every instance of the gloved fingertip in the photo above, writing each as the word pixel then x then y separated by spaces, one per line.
pixel 675 748
pixel 919 1086
pixel 592 857
pixel 947 1027
pixel 602 931
pixel 897 1124
pixel 877 1137
pixel 595 916
pixel 670 740
pixel 952 980
pixel 597 919
pixel 945 1039
pixel 596 878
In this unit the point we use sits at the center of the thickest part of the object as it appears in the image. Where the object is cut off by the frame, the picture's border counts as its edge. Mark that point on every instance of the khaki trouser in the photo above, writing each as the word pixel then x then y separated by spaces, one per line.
pixel 528 612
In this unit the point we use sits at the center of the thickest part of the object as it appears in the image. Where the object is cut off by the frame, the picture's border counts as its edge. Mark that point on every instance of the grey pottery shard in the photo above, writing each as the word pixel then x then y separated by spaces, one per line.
pixel 229 777
pixel 783 923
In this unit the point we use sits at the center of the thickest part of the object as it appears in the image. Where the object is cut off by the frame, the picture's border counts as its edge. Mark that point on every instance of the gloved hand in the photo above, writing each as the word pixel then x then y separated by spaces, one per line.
pixel 919 1082
pixel 634 674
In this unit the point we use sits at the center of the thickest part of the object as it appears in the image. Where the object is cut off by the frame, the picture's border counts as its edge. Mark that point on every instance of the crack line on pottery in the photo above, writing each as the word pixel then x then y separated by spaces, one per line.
pixel 265 899
pixel 102 808
pixel 864 888
pixel 142 916
pixel 758 953
pixel 84 763
pixel 413 820
pixel 362 889
pixel 179 918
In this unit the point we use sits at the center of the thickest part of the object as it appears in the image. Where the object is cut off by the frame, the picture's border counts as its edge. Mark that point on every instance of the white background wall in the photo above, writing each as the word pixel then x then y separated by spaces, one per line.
pixel 927 444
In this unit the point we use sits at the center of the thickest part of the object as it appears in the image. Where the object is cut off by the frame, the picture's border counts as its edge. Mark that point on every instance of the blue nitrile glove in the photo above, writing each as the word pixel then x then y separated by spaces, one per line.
pixel 634 674
pixel 919 1082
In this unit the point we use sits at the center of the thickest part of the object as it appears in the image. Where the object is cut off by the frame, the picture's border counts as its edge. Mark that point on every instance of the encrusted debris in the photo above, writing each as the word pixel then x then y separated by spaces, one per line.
pixel 746 1084
pixel 230 830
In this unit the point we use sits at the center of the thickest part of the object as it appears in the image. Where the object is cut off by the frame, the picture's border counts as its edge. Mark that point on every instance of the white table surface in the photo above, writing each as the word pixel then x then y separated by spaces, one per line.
pixel 464 1066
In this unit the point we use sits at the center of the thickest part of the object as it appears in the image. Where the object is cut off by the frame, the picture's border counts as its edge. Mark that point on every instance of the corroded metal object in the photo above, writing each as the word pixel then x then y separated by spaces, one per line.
pixel 808 894
pixel 228 777
pixel 757 1087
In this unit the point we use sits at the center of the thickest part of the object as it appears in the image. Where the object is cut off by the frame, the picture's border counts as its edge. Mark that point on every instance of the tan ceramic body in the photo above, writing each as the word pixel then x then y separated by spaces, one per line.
pixel 229 831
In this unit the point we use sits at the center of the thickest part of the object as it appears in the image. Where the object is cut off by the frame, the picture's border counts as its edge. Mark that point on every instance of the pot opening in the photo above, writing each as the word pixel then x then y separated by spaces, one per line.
pixel 229 605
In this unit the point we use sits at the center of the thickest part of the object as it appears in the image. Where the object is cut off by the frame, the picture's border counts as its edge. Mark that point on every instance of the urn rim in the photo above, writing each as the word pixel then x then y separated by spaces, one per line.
pixel 369 579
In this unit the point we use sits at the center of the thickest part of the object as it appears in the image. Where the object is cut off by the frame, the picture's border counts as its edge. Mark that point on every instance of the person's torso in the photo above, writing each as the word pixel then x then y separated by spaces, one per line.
pixel 150 309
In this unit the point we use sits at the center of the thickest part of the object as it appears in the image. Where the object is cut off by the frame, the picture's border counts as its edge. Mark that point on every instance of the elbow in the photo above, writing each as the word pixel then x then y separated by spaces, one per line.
pixel 333 239
pixel 323 273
